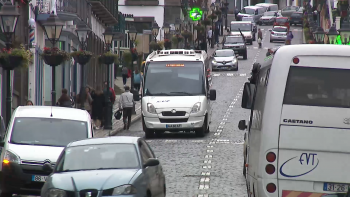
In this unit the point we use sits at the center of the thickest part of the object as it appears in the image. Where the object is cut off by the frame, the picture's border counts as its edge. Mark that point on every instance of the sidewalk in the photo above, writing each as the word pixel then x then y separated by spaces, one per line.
pixel 119 89
pixel 118 124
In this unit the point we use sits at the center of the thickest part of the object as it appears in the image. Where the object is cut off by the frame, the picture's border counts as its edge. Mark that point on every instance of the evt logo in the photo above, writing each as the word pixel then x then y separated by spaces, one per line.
pixel 308 162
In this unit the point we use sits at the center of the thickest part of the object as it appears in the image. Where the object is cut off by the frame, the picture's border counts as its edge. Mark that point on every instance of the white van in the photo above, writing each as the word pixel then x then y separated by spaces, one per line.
pixel 298 137
pixel 269 6
pixel 176 92
pixel 36 135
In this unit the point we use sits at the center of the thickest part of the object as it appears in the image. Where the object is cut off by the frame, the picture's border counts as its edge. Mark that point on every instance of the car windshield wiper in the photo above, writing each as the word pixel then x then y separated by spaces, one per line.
pixel 186 93
pixel 160 94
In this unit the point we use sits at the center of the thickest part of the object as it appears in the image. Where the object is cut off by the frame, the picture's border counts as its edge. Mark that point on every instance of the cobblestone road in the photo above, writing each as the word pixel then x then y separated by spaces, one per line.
pixel 212 166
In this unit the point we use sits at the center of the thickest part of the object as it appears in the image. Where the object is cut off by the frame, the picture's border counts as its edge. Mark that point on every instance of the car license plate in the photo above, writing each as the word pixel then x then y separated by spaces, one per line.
pixel 38 178
pixel 335 187
pixel 173 126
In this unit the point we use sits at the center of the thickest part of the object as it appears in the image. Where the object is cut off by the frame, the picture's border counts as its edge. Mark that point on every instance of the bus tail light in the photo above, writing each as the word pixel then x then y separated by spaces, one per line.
pixel 271 157
pixel 270 169
pixel 271 187
pixel 296 60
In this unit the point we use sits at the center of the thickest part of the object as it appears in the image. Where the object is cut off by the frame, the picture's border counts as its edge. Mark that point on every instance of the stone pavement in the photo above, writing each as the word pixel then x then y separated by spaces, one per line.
pixel 118 124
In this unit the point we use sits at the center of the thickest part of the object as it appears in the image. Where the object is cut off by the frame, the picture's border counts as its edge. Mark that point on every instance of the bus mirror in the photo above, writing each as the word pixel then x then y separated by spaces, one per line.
pixel 248 95
pixel 242 125
pixel 212 95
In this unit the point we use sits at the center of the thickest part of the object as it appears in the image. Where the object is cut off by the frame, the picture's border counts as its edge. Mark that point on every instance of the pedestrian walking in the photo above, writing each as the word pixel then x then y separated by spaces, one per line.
pixel 124 74
pixel 126 103
pixel 98 103
pixel 290 36
pixel 29 102
pixel 209 36
pixel 84 99
pixel 64 100
pixel 137 80
pixel 216 34
pixel 260 37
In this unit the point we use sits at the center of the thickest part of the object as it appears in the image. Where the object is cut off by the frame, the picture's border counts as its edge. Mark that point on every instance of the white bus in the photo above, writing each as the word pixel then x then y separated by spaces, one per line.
pixel 176 92
pixel 297 143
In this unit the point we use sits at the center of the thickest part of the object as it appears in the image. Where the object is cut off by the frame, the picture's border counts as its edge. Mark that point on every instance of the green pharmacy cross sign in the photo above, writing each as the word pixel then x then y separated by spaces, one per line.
pixel 338 41
pixel 196 14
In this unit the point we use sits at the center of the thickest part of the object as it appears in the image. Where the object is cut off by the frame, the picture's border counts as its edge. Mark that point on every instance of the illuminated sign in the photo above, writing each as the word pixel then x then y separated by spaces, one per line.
pixel 175 65
pixel 339 42
pixel 196 14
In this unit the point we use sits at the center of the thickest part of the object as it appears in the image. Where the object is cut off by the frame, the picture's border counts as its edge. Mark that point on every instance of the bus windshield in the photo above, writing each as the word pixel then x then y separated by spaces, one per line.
pixel 175 78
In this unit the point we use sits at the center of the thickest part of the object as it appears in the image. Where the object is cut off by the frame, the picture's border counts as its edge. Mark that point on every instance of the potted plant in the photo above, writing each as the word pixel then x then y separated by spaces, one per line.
pixel 154 46
pixel 187 35
pixel 176 39
pixel 17 57
pixel 127 58
pixel 81 56
pixel 54 56
pixel 167 43
pixel 207 22
pixel 108 58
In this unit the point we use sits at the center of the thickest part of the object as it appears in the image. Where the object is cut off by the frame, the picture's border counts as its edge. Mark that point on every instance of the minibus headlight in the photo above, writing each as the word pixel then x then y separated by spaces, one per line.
pixel 196 107
pixel 214 62
pixel 10 157
pixel 151 109
pixel 56 193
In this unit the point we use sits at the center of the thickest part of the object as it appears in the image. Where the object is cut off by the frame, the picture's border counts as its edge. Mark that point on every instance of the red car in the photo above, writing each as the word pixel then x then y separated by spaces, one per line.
pixel 282 21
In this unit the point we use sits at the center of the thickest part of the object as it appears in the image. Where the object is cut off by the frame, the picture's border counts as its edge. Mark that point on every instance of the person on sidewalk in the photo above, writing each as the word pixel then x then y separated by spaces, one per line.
pixel 126 103
pixel 209 36
pixel 112 93
pixel 216 34
pixel 137 80
pixel 98 103
pixel 260 37
pixel 29 102
pixel 64 100
pixel 125 74
pixel 84 99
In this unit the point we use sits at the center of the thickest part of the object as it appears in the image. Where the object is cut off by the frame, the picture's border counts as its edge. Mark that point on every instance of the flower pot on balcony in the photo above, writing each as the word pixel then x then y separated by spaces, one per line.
pixel 82 59
pixel 11 62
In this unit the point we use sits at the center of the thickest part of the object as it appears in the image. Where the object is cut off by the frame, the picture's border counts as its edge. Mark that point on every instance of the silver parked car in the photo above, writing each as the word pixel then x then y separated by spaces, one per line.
pixel 278 33
pixel 268 18
pixel 289 10
pixel 112 166
pixel 224 59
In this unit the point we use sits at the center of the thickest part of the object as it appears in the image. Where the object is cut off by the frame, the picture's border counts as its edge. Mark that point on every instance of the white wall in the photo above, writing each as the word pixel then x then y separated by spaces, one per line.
pixel 97 28
pixel 143 11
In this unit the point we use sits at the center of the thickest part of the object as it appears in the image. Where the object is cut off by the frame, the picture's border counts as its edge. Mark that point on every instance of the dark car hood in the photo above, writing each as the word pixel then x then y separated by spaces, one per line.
pixel 95 179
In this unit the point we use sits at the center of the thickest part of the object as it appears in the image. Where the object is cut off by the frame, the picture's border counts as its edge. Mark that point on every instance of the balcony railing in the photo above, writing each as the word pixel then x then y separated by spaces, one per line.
pixel 142 2
pixel 106 10
pixel 79 8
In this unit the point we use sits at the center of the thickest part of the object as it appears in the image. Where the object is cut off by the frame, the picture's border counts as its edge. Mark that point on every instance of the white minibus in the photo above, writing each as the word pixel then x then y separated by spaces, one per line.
pixel 297 143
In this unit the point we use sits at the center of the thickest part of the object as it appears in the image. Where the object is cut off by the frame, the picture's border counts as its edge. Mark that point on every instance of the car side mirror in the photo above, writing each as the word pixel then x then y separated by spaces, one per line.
pixel 237 55
pixel 242 125
pixel 151 162
pixel 47 167
pixel 270 30
pixel 228 30
pixel 248 95
pixel 212 95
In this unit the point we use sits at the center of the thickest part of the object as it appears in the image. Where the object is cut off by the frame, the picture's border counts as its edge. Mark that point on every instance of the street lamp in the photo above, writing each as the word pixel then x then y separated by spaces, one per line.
pixel 226 10
pixel 332 35
pixel 108 37
pixel 132 34
pixel 344 32
pixel 8 19
pixel 217 3
pixel 166 28
pixel 53 28
pixel 84 58
pixel 177 28
pixel 319 35
pixel 155 30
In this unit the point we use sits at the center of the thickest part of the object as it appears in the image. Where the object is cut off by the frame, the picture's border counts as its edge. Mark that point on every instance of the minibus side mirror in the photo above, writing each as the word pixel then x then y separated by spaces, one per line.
pixel 248 95
pixel 212 95
pixel 228 30
pixel 242 125
pixel 47 167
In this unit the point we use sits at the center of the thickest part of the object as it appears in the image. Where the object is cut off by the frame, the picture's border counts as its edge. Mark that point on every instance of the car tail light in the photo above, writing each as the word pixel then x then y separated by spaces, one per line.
pixel 270 169
pixel 271 187
pixel 270 157
pixel 272 32
pixel 296 60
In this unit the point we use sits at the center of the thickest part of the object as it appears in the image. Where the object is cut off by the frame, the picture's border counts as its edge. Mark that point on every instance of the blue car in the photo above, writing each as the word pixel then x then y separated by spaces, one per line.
pixel 113 166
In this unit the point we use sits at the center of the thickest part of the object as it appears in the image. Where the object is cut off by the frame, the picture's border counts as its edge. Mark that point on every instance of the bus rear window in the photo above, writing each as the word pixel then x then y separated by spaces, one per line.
pixel 324 87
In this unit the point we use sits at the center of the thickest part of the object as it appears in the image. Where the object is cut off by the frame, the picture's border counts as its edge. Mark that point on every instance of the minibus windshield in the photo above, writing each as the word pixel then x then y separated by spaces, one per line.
pixel 175 78
pixel 324 87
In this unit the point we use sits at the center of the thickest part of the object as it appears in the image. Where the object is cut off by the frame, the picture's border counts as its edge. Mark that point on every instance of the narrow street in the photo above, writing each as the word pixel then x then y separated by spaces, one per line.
pixel 212 166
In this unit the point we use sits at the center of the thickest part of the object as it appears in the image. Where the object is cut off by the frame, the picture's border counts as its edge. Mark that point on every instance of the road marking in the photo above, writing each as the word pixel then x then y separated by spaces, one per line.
pixel 203 195
pixel 208 156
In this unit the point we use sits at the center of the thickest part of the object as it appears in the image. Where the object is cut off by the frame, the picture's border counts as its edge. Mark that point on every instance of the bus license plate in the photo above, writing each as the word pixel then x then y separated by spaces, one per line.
pixel 335 187
pixel 173 126
pixel 38 178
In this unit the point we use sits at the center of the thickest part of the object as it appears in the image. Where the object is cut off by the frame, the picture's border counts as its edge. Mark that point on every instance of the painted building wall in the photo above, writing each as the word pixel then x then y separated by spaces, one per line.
pixel 143 11
pixel 97 28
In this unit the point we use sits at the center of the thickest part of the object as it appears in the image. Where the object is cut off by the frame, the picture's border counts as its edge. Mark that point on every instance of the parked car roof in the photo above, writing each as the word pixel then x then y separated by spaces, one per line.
pixel 106 140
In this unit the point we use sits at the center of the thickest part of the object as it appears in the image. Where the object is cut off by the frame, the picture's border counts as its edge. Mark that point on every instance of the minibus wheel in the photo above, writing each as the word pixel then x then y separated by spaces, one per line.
pixel 148 132
pixel 201 132
pixel 244 170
